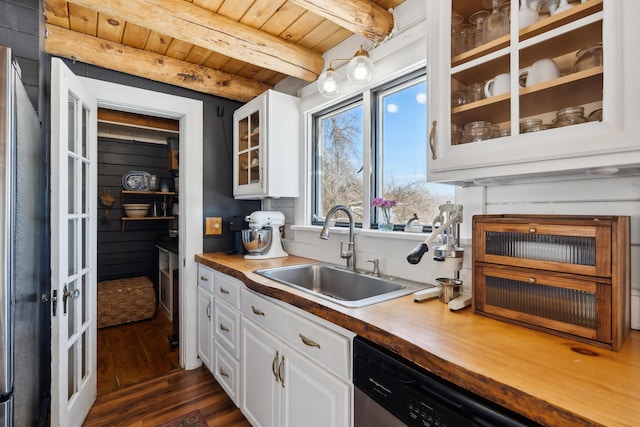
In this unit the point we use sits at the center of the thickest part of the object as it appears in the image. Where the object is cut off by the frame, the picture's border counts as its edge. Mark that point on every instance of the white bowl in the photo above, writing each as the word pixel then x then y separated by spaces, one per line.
pixel 136 210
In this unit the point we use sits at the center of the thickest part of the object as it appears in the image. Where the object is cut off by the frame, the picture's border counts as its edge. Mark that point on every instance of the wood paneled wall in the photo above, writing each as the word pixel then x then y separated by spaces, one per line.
pixel 132 253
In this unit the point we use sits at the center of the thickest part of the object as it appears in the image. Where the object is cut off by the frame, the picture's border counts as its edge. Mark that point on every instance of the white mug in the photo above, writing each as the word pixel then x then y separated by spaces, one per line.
pixel 541 71
pixel 498 85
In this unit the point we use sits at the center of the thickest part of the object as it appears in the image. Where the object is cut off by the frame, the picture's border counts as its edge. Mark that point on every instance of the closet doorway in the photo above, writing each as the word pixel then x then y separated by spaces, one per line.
pixel 138 240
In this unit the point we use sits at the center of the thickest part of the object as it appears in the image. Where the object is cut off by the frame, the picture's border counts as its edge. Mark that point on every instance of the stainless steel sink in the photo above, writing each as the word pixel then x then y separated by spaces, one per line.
pixel 345 287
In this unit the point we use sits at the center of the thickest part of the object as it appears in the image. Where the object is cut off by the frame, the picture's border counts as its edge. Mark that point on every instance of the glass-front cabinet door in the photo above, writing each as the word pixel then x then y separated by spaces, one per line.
pixel 249 149
pixel 519 83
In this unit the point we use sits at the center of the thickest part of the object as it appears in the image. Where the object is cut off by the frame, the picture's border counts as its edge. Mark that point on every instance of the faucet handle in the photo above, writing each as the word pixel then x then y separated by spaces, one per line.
pixel 345 254
pixel 376 267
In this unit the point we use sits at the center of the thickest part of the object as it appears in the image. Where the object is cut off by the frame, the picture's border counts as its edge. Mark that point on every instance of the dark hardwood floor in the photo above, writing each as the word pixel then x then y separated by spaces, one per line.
pixel 134 351
pixel 140 383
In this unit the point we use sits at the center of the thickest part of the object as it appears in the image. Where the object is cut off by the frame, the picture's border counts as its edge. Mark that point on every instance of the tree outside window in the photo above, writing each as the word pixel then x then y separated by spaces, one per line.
pixel 398 161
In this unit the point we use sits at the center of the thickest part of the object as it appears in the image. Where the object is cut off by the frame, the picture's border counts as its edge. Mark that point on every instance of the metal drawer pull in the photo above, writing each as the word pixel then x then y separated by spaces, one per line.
pixel 224 291
pixel 532 280
pixel 256 311
pixel 308 342
pixel 223 373
pixel 280 371
pixel 432 140
pixel 223 328
pixel 209 311
pixel 532 230
pixel 204 279
pixel 273 366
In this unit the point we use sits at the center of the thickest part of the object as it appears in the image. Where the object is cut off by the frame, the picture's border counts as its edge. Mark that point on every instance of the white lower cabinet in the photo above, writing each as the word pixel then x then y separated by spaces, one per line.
pixel 205 315
pixel 282 386
pixel 283 367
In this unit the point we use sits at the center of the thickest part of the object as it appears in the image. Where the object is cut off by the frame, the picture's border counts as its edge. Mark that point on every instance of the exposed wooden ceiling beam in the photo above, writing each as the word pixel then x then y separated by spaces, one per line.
pixel 185 21
pixel 358 16
pixel 118 57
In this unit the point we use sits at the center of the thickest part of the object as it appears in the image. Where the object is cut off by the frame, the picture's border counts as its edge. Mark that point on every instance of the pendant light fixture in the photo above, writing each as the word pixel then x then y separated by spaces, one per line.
pixel 359 71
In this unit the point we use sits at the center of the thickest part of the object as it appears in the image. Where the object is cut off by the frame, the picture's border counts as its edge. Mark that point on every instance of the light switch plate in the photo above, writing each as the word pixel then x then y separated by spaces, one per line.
pixel 213 225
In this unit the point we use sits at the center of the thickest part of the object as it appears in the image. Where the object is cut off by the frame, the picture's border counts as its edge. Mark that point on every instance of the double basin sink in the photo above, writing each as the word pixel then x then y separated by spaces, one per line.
pixel 349 288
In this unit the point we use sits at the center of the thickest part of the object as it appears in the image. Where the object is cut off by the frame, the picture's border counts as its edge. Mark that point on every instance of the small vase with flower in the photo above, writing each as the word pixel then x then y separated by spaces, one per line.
pixel 385 212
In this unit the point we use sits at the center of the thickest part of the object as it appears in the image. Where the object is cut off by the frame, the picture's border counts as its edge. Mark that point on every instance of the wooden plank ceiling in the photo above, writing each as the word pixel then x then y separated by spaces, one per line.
pixel 235 49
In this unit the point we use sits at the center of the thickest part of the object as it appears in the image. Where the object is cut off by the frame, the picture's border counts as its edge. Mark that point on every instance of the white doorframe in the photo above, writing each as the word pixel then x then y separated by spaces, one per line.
pixel 190 114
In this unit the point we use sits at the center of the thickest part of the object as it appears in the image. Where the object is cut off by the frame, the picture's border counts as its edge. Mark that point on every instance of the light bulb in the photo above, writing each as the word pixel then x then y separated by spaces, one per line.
pixel 329 83
pixel 360 68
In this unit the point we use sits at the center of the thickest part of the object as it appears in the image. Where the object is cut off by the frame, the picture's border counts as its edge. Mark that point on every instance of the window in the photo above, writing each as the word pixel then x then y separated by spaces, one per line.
pixel 338 160
pixel 397 151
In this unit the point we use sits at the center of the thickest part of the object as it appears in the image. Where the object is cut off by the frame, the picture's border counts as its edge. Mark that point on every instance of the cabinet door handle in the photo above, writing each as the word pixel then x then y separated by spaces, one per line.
pixel 223 328
pixel 532 280
pixel 308 342
pixel 280 367
pixel 204 279
pixel 273 366
pixel 223 291
pixel 432 140
pixel 209 311
pixel 223 373
pixel 532 230
pixel 256 311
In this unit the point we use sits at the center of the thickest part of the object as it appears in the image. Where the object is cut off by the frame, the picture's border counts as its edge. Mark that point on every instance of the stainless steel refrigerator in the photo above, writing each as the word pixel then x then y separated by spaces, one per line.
pixel 23 210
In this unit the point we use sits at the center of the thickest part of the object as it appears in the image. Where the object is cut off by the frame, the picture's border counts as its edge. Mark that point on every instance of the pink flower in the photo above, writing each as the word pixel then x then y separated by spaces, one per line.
pixel 380 202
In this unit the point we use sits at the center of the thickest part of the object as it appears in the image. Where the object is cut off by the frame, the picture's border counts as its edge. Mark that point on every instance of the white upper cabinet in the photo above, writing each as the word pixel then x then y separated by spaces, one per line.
pixel 527 134
pixel 265 147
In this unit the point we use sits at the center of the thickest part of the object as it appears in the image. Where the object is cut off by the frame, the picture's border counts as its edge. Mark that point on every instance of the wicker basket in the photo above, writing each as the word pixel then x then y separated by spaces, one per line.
pixel 125 300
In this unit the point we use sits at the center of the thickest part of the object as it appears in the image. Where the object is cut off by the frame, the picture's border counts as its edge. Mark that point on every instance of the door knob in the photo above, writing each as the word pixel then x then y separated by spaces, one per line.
pixel 66 294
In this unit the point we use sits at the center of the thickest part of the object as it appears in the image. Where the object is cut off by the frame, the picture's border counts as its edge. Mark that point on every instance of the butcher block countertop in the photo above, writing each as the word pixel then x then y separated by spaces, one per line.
pixel 552 380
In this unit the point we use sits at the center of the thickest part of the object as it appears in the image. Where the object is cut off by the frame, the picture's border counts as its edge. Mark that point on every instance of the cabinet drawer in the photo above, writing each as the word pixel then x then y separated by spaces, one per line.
pixel 570 246
pixel 228 289
pixel 227 327
pixel 556 303
pixel 324 346
pixel 227 373
pixel 262 311
pixel 206 278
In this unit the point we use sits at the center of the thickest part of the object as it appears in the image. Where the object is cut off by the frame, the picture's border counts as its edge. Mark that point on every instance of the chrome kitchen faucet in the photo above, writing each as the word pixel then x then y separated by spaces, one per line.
pixel 350 253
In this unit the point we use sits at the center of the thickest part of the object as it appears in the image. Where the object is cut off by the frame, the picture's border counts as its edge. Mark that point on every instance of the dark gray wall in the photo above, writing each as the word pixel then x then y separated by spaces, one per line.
pixel 133 252
pixel 21 27
pixel 19 30
pixel 217 150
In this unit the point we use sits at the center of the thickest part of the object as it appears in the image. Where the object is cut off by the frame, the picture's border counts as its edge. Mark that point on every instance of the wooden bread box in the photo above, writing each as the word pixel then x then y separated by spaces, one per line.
pixel 566 275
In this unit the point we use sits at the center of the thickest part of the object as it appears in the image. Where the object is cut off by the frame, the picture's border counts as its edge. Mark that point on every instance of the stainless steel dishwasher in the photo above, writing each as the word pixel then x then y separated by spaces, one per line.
pixel 393 392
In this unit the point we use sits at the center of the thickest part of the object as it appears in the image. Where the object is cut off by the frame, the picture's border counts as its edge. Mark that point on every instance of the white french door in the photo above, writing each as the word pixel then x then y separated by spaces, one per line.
pixel 73 247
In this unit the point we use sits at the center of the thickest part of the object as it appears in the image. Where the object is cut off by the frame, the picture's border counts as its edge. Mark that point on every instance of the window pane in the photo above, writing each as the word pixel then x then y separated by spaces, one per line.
pixel 338 162
pixel 401 169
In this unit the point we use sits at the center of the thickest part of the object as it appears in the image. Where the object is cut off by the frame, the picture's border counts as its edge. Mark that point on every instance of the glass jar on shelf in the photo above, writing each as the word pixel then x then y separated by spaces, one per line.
pixel 569 116
pixel 477 131
pixel 588 57
pixel 496 24
pixel 478 21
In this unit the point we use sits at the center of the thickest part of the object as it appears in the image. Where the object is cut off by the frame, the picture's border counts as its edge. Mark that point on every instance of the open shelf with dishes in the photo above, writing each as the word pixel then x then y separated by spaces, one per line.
pixel 139 212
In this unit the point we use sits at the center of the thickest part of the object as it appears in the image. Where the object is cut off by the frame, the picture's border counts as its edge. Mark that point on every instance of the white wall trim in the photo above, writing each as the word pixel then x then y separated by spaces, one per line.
pixel 190 114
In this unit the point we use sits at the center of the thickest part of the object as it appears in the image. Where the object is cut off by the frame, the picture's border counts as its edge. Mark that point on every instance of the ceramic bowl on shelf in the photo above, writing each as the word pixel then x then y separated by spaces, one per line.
pixel 136 210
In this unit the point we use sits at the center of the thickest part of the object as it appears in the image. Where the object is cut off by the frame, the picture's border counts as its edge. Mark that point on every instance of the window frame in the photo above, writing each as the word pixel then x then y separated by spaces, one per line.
pixel 371 100
pixel 377 98
pixel 315 161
